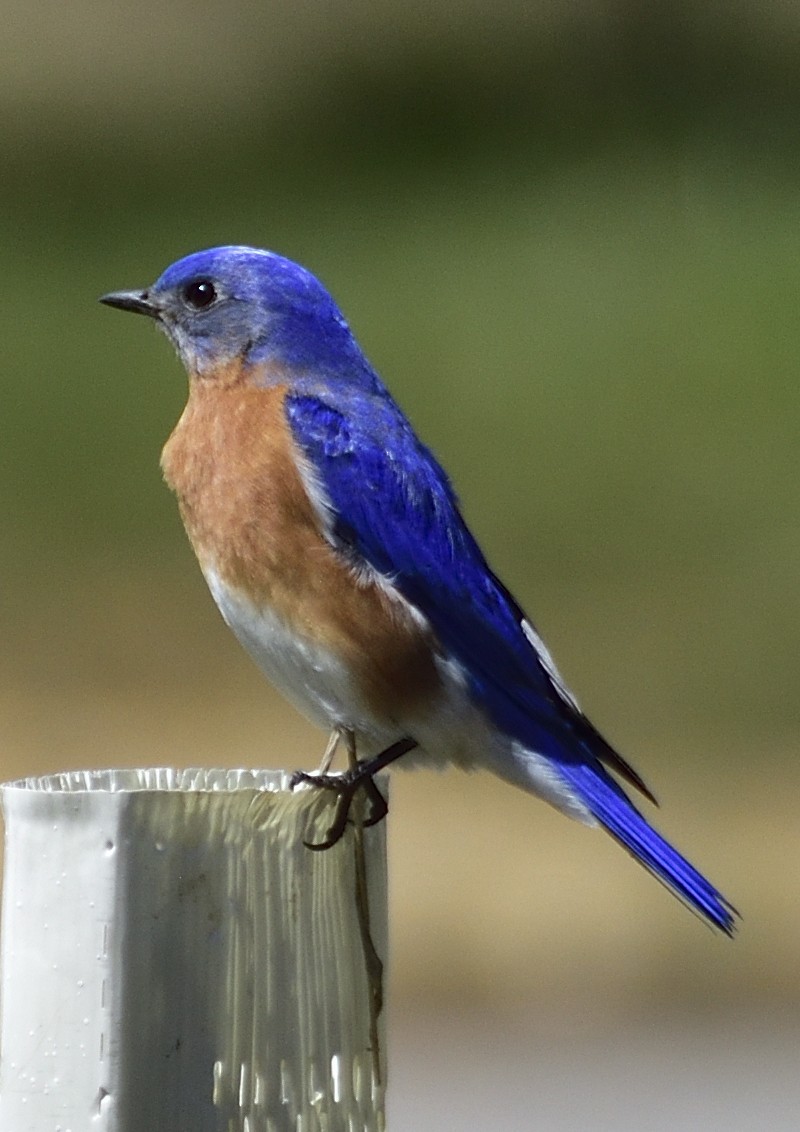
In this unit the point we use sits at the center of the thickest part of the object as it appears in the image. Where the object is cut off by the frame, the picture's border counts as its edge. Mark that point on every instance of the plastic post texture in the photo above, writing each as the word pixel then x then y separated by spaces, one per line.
pixel 174 958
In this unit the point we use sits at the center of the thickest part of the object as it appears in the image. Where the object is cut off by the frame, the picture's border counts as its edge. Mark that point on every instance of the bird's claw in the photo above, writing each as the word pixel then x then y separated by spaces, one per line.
pixel 346 786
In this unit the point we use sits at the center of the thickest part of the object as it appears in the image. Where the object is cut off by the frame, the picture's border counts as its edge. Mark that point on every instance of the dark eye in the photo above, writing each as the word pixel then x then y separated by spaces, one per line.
pixel 200 294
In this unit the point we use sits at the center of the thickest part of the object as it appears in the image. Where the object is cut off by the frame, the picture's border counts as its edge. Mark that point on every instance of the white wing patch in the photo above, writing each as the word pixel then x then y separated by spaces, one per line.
pixel 549 665
pixel 315 490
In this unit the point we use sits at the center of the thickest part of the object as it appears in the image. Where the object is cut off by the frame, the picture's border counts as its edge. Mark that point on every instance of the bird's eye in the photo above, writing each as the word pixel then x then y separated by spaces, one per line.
pixel 200 294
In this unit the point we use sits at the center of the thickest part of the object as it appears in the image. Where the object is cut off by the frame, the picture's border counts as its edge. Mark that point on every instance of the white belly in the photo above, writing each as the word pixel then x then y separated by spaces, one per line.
pixel 453 730
pixel 309 675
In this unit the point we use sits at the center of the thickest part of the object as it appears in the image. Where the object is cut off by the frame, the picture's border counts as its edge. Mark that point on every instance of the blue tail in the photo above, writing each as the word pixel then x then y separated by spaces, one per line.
pixel 623 821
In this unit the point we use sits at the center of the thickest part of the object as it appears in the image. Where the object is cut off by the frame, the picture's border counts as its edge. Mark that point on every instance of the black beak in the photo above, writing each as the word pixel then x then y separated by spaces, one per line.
pixel 137 301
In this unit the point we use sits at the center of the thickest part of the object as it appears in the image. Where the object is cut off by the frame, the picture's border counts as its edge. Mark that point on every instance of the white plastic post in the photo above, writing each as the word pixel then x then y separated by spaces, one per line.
pixel 175 959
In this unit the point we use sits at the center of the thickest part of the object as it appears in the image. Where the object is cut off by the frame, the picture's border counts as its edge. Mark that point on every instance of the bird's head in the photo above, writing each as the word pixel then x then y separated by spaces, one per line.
pixel 253 307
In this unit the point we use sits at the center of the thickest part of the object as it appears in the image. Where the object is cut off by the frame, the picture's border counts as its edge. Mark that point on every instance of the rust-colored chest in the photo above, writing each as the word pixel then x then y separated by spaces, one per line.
pixel 232 463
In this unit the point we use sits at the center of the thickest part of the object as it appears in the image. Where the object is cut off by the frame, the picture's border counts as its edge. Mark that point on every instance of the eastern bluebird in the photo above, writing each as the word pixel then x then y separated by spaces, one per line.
pixel 332 543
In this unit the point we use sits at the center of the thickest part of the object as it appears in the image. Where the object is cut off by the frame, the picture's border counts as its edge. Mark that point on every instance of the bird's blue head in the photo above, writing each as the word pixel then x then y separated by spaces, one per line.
pixel 240 303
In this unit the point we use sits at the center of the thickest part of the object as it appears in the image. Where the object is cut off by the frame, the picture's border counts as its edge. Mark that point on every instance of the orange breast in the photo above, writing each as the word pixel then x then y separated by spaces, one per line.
pixel 231 461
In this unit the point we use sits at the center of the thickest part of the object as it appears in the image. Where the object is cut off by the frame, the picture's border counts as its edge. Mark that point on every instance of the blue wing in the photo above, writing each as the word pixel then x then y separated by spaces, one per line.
pixel 394 507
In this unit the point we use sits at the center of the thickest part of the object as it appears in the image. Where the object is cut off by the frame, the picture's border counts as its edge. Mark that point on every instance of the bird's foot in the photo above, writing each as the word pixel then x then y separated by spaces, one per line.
pixel 347 784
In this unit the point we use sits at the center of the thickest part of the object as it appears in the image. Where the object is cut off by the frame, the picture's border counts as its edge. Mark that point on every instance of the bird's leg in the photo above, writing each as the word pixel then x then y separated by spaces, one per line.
pixel 378 806
pixel 349 737
pixel 330 749
pixel 346 785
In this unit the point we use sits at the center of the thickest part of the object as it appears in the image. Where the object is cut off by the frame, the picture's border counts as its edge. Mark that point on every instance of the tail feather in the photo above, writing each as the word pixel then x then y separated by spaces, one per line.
pixel 617 814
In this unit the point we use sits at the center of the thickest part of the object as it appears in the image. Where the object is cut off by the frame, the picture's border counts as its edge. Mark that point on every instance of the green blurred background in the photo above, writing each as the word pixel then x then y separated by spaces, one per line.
pixel 569 238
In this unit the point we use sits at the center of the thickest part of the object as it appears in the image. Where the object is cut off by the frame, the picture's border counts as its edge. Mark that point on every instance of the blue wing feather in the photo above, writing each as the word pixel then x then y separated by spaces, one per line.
pixel 394 507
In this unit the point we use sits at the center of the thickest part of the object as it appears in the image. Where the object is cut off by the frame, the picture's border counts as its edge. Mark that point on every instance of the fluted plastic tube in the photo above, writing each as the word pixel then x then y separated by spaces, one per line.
pixel 175 959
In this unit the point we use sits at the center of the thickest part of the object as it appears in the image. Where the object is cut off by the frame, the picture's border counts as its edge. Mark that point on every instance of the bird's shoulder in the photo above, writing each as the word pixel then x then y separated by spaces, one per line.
pixel 376 471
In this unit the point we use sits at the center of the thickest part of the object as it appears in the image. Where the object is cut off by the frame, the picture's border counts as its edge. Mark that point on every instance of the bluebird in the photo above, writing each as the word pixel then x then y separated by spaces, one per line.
pixel 332 542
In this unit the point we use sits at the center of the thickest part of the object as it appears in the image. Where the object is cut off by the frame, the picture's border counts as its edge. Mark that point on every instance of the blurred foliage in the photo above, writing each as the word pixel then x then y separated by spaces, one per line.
pixel 568 237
